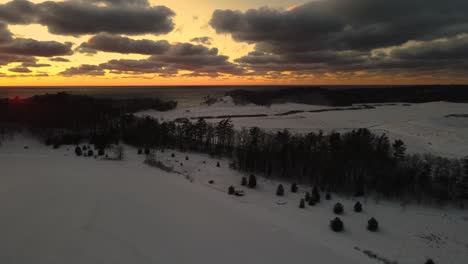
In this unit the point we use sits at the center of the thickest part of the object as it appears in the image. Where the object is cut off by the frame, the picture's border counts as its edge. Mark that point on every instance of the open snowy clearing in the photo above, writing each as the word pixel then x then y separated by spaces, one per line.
pixel 425 128
pixel 58 208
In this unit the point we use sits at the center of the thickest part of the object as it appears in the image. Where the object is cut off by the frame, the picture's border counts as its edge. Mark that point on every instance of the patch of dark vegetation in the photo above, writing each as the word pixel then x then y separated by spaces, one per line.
pixel 458 115
pixel 346 96
pixel 375 256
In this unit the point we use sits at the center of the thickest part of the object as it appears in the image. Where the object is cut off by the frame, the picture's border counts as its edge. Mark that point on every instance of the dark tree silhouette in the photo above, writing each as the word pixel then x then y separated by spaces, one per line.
pixel 357 207
pixel 307 196
pixel 338 209
pixel 280 190
pixel 337 225
pixel 78 151
pixel 294 188
pixel 231 190
pixel 328 196
pixel 372 225
pixel 302 204
pixel 244 181
pixel 429 261
pixel 252 181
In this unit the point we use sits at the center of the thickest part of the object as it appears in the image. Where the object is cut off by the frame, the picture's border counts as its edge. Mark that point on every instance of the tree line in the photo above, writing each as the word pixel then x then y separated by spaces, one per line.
pixel 357 162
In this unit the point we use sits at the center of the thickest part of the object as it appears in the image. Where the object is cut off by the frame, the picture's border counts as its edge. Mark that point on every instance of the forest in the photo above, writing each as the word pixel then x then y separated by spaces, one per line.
pixel 357 162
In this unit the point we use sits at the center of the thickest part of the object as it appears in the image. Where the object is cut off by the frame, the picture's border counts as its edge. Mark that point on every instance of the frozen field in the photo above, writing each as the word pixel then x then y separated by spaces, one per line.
pixel 58 208
pixel 423 127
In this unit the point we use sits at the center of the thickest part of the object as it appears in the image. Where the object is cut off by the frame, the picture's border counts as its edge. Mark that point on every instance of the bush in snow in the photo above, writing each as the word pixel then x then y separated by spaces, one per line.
pixel 244 181
pixel 252 181
pixel 357 207
pixel 312 202
pixel 430 261
pixel 186 158
pixel 294 188
pixel 316 195
pixel 336 225
pixel 328 196
pixel 280 190
pixel 307 196
pixel 302 204
pixel 56 146
pixel 101 152
pixel 218 165
pixel 140 151
pixel 231 190
pixel 78 151
pixel 147 151
pixel 338 208
pixel 90 153
pixel 172 155
pixel 372 225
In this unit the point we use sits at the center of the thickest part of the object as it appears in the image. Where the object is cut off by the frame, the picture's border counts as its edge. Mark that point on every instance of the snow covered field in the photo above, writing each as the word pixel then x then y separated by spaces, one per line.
pixel 423 127
pixel 58 208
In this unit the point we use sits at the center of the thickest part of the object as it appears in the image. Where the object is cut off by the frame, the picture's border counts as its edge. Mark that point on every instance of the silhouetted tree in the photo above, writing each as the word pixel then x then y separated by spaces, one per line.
pixel 372 225
pixel 244 181
pixel 231 190
pixel 294 188
pixel 336 224
pixel 429 261
pixel 328 196
pixel 280 190
pixel 252 181
pixel 302 204
pixel 338 208
pixel 307 196
pixel 357 207
pixel 78 151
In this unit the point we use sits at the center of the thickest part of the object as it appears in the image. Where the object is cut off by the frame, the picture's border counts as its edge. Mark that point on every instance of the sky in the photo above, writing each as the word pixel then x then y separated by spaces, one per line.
pixel 216 42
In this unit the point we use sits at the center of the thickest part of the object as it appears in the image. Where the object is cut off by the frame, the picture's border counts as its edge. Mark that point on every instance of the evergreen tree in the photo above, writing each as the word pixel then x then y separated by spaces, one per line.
pixel 328 196
pixel 372 225
pixel 294 188
pixel 101 152
pixel 280 190
pixel 244 181
pixel 231 190
pixel 338 209
pixel 252 181
pixel 399 149
pixel 357 207
pixel 336 224
pixel 315 194
pixel 302 204
pixel 312 202
pixel 430 261
pixel 78 151
pixel 307 196
pixel 147 151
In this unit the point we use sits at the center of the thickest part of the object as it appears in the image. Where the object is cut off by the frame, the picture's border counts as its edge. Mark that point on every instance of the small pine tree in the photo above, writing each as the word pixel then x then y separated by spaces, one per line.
pixel 231 190
pixel 147 151
pixel 336 225
pixel 357 207
pixel 101 152
pixel 78 151
pixel 312 202
pixel 140 151
pixel 430 261
pixel 307 196
pixel 172 155
pixel 186 158
pixel 244 181
pixel 316 195
pixel 280 190
pixel 252 181
pixel 294 188
pixel 338 209
pixel 302 204
pixel 328 196
pixel 90 153
pixel 218 164
pixel 372 225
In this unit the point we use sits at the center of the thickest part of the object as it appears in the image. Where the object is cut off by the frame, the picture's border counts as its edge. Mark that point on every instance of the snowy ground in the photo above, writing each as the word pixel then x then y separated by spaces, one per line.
pixel 423 127
pixel 58 208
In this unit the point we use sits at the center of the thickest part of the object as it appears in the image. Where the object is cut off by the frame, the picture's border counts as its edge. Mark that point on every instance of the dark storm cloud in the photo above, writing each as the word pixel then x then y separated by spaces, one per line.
pixel 202 40
pixel 341 35
pixel 59 59
pixel 5 34
pixel 31 47
pixel 343 24
pixel 84 69
pixel 111 43
pixel 20 70
pixel 181 56
pixel 89 17
pixel 6 59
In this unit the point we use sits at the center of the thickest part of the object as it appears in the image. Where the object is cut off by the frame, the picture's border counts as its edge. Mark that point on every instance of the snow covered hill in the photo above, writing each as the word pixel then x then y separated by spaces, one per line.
pixel 58 208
